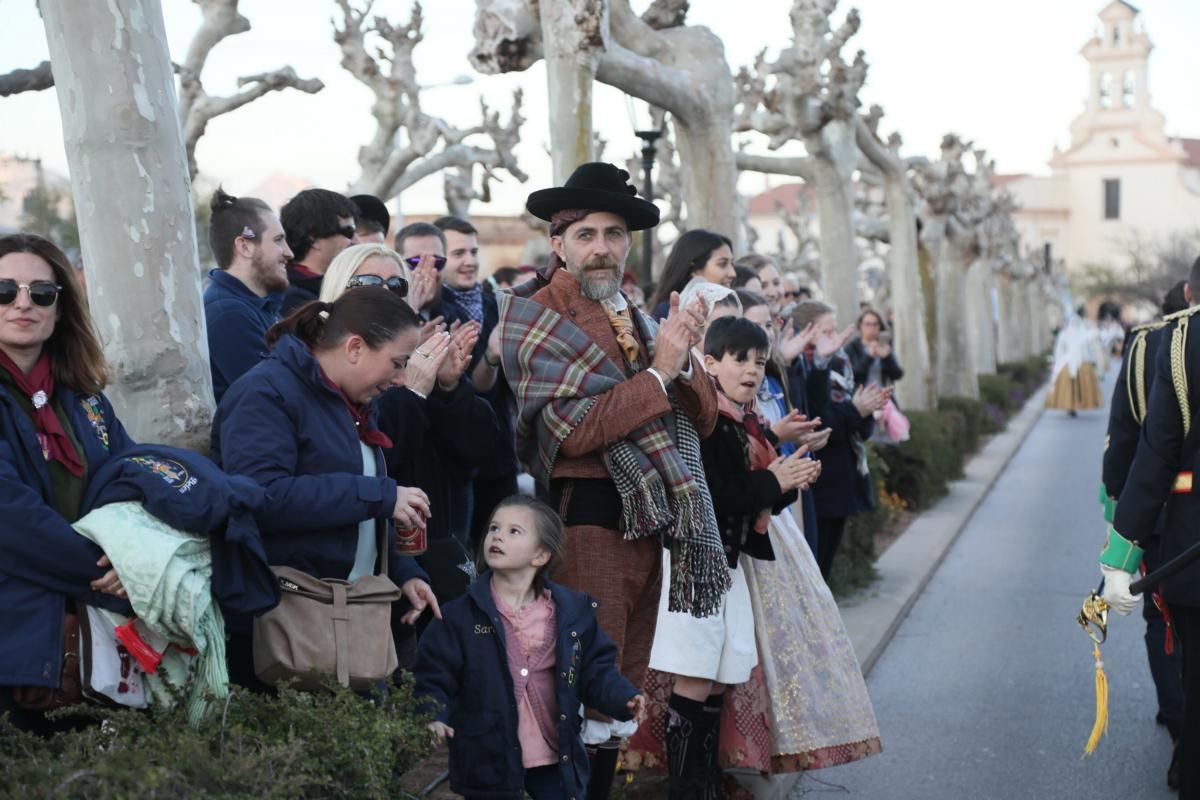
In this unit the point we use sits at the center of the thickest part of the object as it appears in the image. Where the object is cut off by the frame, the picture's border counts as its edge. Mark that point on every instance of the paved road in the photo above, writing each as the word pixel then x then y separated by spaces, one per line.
pixel 985 693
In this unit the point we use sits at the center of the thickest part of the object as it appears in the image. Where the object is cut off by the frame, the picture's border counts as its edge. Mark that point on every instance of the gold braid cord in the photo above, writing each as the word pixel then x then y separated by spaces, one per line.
pixel 1135 377
pixel 1179 371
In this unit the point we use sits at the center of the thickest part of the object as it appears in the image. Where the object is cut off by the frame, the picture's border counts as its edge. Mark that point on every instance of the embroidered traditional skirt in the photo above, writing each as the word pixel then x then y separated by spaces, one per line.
pixel 1078 393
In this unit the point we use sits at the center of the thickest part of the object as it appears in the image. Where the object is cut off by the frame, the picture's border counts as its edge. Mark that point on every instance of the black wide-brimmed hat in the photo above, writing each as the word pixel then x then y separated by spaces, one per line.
pixel 371 207
pixel 596 186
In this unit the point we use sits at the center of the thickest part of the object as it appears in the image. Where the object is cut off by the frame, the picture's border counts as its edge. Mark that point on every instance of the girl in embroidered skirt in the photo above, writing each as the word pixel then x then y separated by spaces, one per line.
pixel 509 665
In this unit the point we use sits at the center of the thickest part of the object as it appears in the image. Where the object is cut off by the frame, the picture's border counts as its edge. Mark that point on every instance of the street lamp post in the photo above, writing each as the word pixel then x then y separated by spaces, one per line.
pixel 648 137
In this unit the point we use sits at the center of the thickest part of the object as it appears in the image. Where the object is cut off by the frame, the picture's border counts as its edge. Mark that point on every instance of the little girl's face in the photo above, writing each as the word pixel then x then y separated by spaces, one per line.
pixel 512 541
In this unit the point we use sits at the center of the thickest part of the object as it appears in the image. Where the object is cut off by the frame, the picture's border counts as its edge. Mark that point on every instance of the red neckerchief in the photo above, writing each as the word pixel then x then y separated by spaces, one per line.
pixel 304 271
pixel 38 386
pixel 761 451
pixel 361 415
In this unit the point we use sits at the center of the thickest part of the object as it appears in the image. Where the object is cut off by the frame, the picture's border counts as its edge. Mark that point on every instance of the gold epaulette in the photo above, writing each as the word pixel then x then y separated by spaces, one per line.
pixel 1179 377
pixel 1135 373
pixel 1187 312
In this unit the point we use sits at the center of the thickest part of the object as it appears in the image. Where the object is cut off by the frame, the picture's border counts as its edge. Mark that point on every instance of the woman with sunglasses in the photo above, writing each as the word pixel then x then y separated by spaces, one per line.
pixel 56 429
pixel 437 424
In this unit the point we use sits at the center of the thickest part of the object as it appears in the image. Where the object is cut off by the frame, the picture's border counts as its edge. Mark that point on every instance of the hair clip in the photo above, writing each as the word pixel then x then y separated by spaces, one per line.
pixel 323 314
pixel 247 232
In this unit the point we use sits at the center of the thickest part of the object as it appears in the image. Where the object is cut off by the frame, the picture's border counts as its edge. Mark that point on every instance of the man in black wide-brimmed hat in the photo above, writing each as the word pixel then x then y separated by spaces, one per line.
pixel 609 423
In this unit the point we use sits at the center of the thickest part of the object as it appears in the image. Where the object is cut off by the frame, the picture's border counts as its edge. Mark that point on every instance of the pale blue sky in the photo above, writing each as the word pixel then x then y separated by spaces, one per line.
pixel 1006 74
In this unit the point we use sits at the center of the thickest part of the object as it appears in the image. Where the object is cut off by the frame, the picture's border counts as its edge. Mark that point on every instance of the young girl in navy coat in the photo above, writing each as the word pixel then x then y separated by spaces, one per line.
pixel 509 665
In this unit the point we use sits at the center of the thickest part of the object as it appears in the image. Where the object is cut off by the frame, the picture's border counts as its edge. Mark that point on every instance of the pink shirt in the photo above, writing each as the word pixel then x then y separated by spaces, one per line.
pixel 530 639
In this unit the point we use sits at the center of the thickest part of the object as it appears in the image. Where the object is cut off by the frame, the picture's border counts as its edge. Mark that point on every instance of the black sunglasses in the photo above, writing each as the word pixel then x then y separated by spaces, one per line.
pixel 415 261
pixel 41 293
pixel 397 285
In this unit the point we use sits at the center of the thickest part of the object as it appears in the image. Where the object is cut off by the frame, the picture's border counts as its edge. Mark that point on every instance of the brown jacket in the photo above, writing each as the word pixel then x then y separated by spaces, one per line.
pixel 628 405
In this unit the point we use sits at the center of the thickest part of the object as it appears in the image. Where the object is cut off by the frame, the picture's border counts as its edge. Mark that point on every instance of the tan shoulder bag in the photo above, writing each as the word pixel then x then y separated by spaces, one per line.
pixel 327 627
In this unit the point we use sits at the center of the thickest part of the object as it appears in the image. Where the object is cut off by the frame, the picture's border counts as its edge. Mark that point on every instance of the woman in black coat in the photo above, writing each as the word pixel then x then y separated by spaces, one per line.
pixel 871 355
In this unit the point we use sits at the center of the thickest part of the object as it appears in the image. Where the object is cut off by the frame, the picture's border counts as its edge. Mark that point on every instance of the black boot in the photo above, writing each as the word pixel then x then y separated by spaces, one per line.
pixel 691 738
pixel 711 746
pixel 603 760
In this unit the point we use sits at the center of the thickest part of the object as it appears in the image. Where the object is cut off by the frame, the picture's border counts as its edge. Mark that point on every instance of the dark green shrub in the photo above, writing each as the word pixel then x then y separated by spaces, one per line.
pixel 975 421
pixel 998 391
pixel 919 469
pixel 296 745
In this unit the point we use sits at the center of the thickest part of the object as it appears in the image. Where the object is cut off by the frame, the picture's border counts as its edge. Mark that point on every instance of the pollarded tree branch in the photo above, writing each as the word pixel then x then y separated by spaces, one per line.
pixel 405 146
pixel 221 20
pixel 27 80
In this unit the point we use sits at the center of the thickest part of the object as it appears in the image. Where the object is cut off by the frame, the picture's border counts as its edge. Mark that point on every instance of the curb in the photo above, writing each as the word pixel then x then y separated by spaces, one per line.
pixel 873 615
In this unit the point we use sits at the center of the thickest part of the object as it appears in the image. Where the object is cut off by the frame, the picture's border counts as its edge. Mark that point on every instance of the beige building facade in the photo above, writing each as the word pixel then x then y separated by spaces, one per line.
pixel 1122 178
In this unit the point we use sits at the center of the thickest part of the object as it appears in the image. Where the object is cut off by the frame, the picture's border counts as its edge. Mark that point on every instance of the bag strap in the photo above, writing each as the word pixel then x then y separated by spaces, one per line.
pixel 339 612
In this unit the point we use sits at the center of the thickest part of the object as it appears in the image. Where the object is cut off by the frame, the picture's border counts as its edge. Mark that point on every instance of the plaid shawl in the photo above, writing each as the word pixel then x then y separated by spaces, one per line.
pixel 556 371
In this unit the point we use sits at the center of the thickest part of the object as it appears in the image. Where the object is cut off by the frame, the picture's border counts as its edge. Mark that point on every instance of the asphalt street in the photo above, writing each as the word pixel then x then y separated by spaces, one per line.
pixel 986 690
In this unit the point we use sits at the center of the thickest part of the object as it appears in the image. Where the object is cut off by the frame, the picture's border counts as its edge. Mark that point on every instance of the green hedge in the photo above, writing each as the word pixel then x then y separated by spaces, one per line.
pixel 297 745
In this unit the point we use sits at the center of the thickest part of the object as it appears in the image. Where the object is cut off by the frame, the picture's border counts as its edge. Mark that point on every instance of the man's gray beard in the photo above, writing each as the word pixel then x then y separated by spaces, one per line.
pixel 594 288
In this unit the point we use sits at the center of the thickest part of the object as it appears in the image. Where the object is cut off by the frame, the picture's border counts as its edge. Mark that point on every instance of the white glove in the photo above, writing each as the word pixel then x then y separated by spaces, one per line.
pixel 1116 590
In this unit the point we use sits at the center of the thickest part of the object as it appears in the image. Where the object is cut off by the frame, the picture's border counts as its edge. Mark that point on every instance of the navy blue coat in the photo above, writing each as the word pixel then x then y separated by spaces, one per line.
pixel 842 490
pixel 237 320
pixel 187 491
pixel 43 561
pixel 282 426
pixel 462 671
pixel 501 456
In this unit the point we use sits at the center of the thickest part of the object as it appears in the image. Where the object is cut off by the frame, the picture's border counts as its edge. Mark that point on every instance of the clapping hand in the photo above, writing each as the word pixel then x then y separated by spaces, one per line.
pixel 435 325
pixel 679 333
pixel 458 356
pixel 794 471
pixel 425 363
pixel 636 706
pixel 830 343
pixel 816 440
pixel 793 426
pixel 869 399
pixel 424 284
pixel 792 344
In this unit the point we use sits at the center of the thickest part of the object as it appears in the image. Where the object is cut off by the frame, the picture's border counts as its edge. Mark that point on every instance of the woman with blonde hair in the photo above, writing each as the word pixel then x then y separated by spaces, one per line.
pixel 366 265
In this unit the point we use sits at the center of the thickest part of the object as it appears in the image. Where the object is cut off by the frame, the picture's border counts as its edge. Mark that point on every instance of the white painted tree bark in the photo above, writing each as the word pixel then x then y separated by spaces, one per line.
pixel 129 177
pixel 907 300
pixel 981 331
pixel 951 248
pixel 573 39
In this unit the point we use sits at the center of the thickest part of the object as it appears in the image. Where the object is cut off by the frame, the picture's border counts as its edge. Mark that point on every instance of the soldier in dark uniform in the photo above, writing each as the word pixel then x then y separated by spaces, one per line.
pixel 1159 483
pixel 1127 411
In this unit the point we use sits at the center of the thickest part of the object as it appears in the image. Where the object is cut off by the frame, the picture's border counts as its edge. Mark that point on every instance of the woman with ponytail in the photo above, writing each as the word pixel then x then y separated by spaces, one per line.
pixel 56 430
pixel 300 424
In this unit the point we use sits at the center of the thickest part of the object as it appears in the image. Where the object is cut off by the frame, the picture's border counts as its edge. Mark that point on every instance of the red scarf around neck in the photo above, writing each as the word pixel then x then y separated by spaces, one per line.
pixel 38 386
pixel 361 414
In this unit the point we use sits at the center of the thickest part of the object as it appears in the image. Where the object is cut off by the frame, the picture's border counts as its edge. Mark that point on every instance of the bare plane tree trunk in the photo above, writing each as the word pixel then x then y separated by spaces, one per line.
pixel 908 300
pixel 573 33
pixel 955 365
pixel 129 177
pixel 979 316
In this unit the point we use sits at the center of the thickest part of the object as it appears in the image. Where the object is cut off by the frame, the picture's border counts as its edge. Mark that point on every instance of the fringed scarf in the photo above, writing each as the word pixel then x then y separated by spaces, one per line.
pixel 556 372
